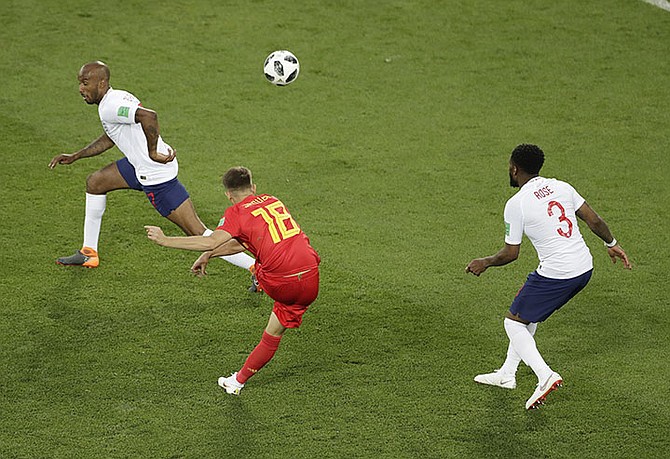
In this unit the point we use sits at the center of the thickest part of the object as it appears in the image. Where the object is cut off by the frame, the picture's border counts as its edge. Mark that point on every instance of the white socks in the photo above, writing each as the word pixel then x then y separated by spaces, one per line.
pixel 522 342
pixel 95 208
pixel 241 260
pixel 513 359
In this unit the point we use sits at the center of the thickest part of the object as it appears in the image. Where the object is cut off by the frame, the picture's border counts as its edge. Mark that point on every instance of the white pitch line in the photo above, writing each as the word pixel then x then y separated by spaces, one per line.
pixel 662 4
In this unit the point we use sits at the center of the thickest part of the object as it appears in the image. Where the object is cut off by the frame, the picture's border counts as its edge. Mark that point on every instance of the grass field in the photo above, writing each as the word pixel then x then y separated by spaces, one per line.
pixel 391 151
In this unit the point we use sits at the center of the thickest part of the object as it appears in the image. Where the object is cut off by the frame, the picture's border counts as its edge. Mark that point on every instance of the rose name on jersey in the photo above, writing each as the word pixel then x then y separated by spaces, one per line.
pixel 543 192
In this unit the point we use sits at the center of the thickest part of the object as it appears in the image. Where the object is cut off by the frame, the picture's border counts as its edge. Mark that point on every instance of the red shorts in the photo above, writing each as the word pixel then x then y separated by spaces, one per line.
pixel 292 294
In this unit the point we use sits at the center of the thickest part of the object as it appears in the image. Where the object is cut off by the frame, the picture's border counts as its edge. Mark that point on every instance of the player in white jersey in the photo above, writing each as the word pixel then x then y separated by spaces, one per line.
pixel 546 210
pixel 149 165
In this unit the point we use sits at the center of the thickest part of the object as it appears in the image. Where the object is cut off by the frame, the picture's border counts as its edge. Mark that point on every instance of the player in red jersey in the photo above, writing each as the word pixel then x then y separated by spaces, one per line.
pixel 287 267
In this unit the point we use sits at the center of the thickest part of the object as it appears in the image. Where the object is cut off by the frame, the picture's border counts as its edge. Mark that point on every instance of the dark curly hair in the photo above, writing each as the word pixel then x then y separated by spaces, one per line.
pixel 528 158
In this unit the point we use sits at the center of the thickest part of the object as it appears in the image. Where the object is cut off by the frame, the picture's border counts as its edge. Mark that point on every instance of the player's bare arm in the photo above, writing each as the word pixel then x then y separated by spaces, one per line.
pixel 600 229
pixel 148 119
pixel 98 146
pixel 507 254
pixel 197 243
pixel 228 248
pixel 595 222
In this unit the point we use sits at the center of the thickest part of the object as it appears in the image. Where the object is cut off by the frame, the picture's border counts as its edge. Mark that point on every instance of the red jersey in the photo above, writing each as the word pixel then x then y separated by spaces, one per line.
pixel 263 225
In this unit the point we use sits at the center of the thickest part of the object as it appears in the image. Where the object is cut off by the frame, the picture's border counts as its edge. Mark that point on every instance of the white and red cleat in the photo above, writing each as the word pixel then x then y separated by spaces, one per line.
pixel 542 390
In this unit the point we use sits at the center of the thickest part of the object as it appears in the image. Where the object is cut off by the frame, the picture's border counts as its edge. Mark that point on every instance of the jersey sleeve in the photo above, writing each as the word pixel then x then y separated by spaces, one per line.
pixel 120 110
pixel 577 199
pixel 513 222
pixel 229 222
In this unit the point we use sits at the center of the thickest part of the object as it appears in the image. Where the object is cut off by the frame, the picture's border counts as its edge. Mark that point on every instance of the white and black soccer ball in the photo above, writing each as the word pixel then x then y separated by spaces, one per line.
pixel 281 68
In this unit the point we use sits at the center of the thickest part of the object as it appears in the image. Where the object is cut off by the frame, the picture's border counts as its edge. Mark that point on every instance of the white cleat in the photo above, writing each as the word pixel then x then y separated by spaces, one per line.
pixel 230 384
pixel 542 390
pixel 497 379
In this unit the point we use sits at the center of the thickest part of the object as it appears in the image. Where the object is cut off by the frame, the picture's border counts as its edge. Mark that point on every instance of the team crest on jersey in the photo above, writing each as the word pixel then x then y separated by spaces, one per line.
pixel 123 111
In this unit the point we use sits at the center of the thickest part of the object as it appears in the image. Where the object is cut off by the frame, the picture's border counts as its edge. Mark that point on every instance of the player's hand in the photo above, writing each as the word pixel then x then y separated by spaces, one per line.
pixel 155 234
pixel 200 265
pixel 164 159
pixel 617 252
pixel 62 159
pixel 476 266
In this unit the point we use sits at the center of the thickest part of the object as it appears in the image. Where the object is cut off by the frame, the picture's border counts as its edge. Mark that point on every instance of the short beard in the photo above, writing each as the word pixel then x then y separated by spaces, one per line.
pixel 513 183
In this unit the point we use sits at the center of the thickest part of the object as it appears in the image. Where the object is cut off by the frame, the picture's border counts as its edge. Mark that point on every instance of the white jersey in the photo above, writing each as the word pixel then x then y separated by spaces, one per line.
pixel 117 114
pixel 544 209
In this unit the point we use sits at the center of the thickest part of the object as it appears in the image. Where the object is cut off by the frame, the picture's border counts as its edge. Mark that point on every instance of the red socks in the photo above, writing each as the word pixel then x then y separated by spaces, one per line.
pixel 261 355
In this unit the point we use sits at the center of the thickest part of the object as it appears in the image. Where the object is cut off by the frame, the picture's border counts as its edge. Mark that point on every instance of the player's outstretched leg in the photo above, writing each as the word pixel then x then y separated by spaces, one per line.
pixel 258 358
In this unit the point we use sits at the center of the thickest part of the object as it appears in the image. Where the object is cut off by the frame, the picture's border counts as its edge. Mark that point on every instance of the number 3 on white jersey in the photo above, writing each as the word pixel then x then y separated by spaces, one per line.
pixel 562 218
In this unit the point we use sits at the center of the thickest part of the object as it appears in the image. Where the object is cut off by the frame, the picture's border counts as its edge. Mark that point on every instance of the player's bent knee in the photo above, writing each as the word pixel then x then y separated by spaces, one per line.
pixel 94 183
pixel 106 179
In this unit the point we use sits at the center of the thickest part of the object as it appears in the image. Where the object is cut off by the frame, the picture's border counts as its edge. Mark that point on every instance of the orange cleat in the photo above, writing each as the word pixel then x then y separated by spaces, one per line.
pixel 86 257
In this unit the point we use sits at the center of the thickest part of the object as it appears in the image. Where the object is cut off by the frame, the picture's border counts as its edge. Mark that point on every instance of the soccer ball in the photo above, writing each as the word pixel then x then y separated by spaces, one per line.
pixel 281 68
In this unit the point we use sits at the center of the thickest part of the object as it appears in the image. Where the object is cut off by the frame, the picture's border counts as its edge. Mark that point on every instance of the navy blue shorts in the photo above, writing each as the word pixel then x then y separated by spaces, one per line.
pixel 541 296
pixel 165 197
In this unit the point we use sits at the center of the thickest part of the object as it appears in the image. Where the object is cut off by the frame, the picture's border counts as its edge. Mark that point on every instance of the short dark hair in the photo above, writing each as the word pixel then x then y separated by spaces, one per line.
pixel 97 68
pixel 237 178
pixel 528 158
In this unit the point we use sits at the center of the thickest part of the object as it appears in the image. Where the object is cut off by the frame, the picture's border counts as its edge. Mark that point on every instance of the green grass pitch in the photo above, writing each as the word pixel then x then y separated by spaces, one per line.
pixel 391 151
